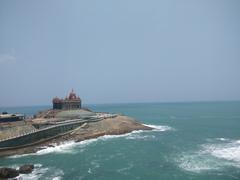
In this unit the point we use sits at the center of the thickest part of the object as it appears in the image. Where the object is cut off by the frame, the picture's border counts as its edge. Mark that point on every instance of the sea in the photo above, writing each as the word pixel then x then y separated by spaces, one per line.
pixel 190 141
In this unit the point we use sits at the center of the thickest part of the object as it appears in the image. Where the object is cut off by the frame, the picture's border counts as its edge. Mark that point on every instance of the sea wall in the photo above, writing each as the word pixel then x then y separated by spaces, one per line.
pixel 39 135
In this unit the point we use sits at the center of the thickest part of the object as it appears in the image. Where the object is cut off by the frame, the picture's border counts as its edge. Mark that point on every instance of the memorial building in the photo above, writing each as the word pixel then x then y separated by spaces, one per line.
pixel 72 101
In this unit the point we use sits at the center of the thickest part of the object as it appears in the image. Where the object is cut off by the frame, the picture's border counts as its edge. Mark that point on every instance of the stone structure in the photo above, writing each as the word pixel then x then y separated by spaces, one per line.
pixel 5 117
pixel 70 102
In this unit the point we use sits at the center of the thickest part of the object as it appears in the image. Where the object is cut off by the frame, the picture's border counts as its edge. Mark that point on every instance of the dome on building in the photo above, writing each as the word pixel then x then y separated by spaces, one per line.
pixel 72 95
pixel 56 100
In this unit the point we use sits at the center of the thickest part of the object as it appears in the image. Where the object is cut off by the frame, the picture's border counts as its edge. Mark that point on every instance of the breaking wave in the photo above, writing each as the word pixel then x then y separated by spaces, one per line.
pixel 68 147
pixel 230 150
pixel 74 147
pixel 141 137
pixel 40 172
pixel 212 156
pixel 61 148
pixel 65 147
pixel 159 127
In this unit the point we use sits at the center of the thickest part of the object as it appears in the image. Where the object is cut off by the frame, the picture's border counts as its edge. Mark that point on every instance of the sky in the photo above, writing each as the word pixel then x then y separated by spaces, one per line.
pixel 119 51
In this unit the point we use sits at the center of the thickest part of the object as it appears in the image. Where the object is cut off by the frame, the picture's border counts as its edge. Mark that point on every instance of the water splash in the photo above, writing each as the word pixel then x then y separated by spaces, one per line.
pixel 218 155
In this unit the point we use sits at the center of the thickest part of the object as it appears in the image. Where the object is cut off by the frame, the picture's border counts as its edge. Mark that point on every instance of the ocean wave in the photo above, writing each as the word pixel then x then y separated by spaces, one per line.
pixel 72 147
pixel 57 178
pixel 222 139
pixel 140 137
pixel 229 150
pixel 69 146
pixel 196 162
pixel 37 173
pixel 159 127
pixel 212 156
pixel 56 175
pixel 107 137
pixel 65 147
pixel 19 156
pixel 41 172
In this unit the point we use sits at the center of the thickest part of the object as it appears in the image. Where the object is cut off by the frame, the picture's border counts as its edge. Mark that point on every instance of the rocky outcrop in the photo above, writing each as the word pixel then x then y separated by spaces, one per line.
pixel 8 173
pixel 26 169
pixel 109 126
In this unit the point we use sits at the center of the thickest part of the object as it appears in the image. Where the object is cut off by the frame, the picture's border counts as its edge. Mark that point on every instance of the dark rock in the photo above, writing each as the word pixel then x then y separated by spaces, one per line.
pixel 26 169
pixel 50 145
pixel 8 173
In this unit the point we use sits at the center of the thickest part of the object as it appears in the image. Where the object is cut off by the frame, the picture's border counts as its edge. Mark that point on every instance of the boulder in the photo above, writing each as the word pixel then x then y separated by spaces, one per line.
pixel 8 173
pixel 26 169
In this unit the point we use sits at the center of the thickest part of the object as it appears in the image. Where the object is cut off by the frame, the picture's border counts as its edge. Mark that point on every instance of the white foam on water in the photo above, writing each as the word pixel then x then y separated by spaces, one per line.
pixel 89 171
pixel 159 127
pixel 70 146
pixel 18 156
pixel 40 172
pixel 137 134
pixel 65 147
pixel 62 148
pixel 231 153
pixel 37 173
pixel 107 137
pixel 57 175
pixel 57 178
pixel 95 164
pixel 212 156
pixel 196 162
pixel 229 150
pixel 124 169
pixel 222 139
pixel 140 137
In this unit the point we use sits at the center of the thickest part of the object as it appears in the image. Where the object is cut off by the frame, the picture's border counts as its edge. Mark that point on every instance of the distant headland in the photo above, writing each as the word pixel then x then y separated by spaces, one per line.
pixel 67 120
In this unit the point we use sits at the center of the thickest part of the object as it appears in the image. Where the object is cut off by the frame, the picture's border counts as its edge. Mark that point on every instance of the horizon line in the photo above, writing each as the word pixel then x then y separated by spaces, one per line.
pixel 148 102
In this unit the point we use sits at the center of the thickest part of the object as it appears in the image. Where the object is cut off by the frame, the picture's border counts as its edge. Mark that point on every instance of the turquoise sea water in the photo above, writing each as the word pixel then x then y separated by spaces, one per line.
pixel 191 141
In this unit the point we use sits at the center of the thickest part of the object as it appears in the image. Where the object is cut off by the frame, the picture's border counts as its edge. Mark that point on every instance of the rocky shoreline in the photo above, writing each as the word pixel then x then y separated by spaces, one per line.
pixel 109 126
pixel 6 173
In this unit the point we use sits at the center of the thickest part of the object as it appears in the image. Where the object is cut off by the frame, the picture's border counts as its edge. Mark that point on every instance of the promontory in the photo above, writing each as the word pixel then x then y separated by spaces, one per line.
pixel 66 121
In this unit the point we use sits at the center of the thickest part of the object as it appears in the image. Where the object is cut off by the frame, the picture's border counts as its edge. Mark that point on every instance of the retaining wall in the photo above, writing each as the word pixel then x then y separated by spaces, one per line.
pixel 39 135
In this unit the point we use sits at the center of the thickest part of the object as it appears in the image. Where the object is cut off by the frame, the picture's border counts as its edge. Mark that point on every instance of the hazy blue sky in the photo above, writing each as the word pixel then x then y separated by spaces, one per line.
pixel 119 51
